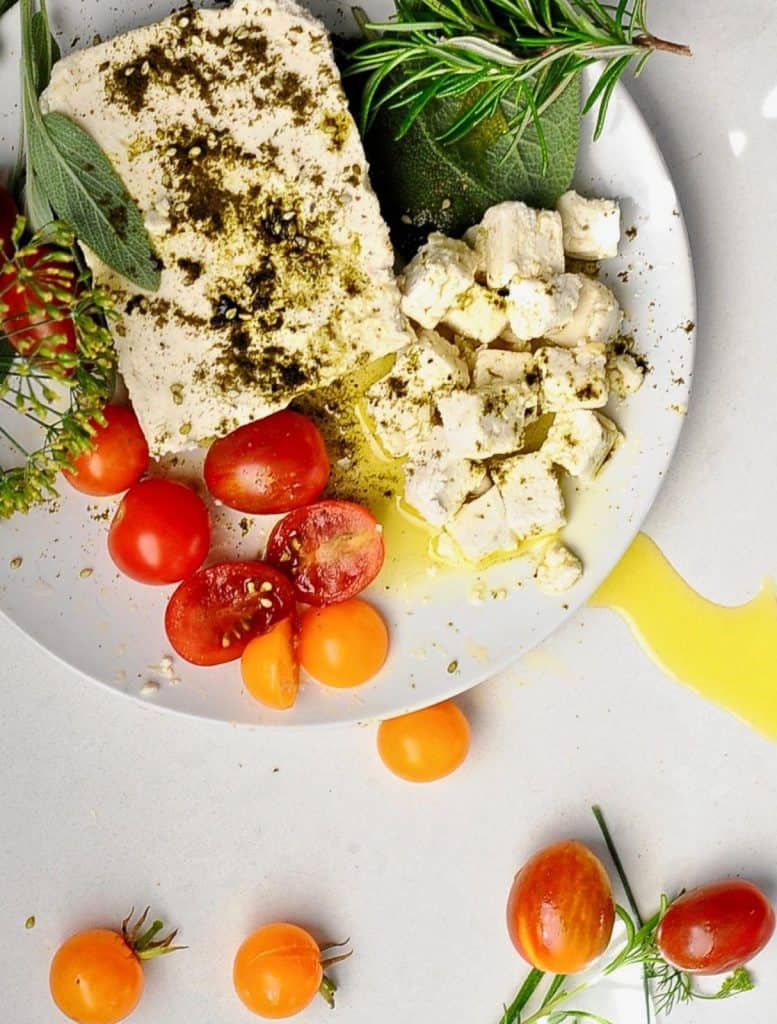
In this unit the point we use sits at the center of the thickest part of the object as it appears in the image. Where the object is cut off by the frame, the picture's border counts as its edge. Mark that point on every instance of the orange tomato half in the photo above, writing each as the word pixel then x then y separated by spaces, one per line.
pixel 95 977
pixel 277 970
pixel 425 745
pixel 270 668
pixel 343 644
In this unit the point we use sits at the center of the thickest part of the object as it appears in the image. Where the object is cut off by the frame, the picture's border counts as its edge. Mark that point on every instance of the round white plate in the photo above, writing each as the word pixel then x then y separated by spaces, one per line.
pixel 448 633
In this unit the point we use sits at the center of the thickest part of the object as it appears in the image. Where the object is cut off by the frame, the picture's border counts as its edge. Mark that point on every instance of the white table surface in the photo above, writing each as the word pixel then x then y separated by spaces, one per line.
pixel 105 804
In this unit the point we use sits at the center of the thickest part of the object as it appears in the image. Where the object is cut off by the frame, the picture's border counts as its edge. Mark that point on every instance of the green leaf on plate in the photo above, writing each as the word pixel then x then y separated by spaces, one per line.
pixel 45 50
pixel 449 186
pixel 86 192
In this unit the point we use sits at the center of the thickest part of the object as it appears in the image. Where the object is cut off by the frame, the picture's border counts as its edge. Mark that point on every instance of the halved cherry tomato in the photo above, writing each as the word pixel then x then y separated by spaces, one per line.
pixel 277 970
pixel 425 745
pixel 8 215
pixel 269 666
pixel 25 321
pixel 561 912
pixel 331 550
pixel 716 928
pixel 213 615
pixel 160 532
pixel 272 465
pixel 344 644
pixel 118 459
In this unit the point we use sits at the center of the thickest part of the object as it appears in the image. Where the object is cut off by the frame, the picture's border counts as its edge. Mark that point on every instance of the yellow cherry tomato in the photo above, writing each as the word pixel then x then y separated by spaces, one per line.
pixel 425 745
pixel 343 644
pixel 96 977
pixel 270 668
pixel 277 970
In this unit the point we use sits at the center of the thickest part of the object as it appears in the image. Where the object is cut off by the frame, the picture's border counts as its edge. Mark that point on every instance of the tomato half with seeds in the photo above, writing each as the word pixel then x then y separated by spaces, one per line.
pixel 213 615
pixel 560 913
pixel 8 215
pixel 117 459
pixel 331 550
pixel 272 465
pixel 716 928
pixel 36 312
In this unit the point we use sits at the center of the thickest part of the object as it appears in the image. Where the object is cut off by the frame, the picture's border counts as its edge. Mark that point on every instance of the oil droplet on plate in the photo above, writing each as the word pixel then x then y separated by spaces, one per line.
pixel 726 654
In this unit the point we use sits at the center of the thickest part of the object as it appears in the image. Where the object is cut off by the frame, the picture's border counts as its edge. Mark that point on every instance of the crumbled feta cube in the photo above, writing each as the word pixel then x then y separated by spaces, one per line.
pixel 437 482
pixel 488 421
pixel 401 403
pixel 509 339
pixel 536 307
pixel 480 528
pixel 580 441
pixel 597 317
pixel 572 378
pixel 625 374
pixel 592 227
pixel 470 236
pixel 516 241
pixel 437 275
pixel 531 493
pixel 558 569
pixel 478 313
pixel 500 366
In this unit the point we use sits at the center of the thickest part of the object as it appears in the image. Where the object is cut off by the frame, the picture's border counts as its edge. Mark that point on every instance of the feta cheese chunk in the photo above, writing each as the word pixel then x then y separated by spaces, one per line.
pixel 487 421
pixel 230 129
pixel 625 375
pixel 441 271
pixel 500 366
pixel 437 482
pixel 572 378
pixel 480 528
pixel 591 227
pixel 516 241
pixel 532 497
pixel 401 404
pixel 580 441
pixel 558 569
pixel 597 317
pixel 536 307
pixel 478 313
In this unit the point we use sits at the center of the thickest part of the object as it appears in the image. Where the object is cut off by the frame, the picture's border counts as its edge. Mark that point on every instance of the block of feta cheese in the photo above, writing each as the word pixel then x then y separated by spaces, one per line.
pixel 437 482
pixel 597 317
pixel 441 271
pixel 572 378
pixel 534 504
pixel 625 374
pixel 480 528
pixel 478 313
pixel 500 366
pixel 536 307
pixel 558 569
pixel 591 227
pixel 401 404
pixel 580 441
pixel 516 241
pixel 231 130
pixel 488 421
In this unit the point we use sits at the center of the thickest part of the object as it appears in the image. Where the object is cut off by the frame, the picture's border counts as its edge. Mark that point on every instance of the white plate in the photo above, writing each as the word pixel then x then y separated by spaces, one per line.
pixel 442 643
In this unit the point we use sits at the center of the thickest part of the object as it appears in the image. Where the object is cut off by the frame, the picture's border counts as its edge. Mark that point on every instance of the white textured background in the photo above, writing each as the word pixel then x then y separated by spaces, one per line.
pixel 105 804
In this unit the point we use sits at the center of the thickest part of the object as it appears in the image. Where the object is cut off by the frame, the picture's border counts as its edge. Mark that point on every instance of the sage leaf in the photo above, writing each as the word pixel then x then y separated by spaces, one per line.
pixel 424 183
pixel 6 5
pixel 86 192
pixel 45 50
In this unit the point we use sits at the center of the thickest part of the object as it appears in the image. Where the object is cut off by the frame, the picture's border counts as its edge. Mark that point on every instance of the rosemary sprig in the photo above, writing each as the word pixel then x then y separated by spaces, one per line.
pixel 487 51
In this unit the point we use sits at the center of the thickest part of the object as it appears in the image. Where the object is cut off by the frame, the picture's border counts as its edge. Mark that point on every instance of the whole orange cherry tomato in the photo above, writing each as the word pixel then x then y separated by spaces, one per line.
pixel 560 913
pixel 425 745
pixel 278 970
pixel 716 928
pixel 96 976
pixel 343 644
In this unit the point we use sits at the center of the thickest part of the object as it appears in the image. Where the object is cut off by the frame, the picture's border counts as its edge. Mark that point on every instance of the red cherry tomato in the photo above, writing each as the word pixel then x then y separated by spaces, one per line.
pixel 561 912
pixel 331 550
pixel 273 465
pixel 716 928
pixel 160 533
pixel 118 459
pixel 8 215
pixel 213 615
pixel 26 323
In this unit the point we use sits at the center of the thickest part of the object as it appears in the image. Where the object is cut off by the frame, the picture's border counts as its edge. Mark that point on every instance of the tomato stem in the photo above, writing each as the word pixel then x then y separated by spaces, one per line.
pixel 327 991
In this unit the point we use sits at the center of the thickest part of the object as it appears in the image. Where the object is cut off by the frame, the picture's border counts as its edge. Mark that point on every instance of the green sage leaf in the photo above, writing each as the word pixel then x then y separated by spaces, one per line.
pixel 6 5
pixel 45 48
